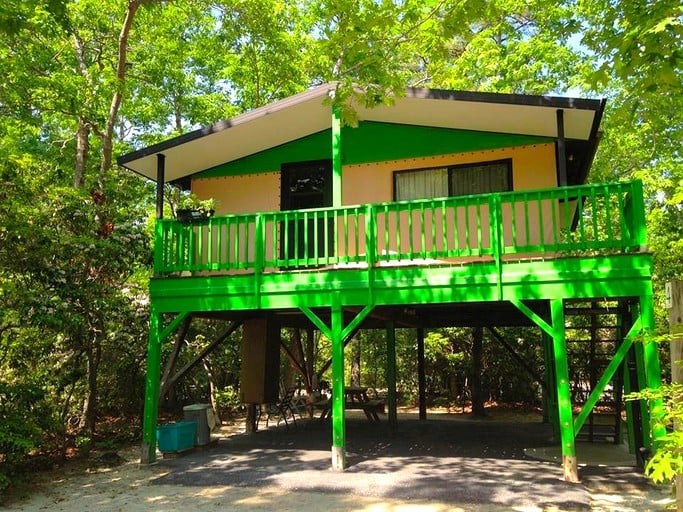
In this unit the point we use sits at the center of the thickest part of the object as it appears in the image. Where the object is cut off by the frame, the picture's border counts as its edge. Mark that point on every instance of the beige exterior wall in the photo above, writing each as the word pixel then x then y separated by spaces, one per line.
pixel 533 166
pixel 464 229
pixel 241 194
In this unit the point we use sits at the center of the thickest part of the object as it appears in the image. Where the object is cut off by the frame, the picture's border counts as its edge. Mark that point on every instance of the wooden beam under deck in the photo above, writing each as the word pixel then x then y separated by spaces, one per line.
pixel 626 275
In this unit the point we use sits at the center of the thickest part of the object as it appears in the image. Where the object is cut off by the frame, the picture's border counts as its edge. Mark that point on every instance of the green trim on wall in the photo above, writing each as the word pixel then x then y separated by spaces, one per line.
pixel 372 142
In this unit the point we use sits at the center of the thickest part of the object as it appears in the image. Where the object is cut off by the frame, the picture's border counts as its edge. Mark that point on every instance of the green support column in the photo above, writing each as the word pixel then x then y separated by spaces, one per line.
pixel 549 374
pixel 336 158
pixel 642 430
pixel 337 333
pixel 149 422
pixel 653 372
pixel 564 402
pixel 630 405
pixel 563 393
pixel 391 373
pixel 338 420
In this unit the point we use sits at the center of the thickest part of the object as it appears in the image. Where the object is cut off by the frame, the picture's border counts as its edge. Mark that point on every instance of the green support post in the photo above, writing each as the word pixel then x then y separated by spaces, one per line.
pixel 336 158
pixel 338 420
pixel 642 440
pixel 564 402
pixel 637 216
pixel 337 333
pixel 149 423
pixel 550 393
pixel 391 373
pixel 629 405
pixel 653 372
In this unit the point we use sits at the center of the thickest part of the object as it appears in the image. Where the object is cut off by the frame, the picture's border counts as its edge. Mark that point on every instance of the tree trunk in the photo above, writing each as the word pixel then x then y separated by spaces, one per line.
pixel 178 115
pixel 475 377
pixel 355 362
pixel 89 420
pixel 310 359
pixel 675 307
pixel 119 84
pixel 82 150
pixel 83 130
pixel 297 351
pixel 212 390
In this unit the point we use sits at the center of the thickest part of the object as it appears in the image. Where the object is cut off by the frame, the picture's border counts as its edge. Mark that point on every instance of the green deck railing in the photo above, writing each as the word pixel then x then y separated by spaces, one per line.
pixel 587 219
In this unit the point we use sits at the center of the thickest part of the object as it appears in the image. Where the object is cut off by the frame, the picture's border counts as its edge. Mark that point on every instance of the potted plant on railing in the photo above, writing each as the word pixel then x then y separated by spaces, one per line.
pixel 192 209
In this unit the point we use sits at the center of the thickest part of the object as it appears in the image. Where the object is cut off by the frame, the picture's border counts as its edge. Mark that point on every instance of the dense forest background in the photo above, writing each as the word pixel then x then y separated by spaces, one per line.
pixel 84 81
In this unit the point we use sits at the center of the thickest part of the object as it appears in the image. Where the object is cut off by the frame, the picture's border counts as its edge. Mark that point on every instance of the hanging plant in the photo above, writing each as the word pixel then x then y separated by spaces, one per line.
pixel 192 209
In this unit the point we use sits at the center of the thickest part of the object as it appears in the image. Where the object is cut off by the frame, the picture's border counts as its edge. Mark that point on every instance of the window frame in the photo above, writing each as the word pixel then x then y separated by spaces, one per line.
pixel 450 169
pixel 487 163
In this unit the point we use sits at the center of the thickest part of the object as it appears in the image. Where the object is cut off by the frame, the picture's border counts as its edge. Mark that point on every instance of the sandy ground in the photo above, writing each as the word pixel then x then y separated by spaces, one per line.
pixel 130 487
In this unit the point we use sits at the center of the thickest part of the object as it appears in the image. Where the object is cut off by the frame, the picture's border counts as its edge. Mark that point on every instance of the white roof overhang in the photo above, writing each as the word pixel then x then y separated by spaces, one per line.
pixel 309 112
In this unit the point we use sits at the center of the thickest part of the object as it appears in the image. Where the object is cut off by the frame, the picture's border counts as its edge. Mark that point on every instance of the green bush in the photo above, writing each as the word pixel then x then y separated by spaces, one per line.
pixel 228 399
pixel 24 417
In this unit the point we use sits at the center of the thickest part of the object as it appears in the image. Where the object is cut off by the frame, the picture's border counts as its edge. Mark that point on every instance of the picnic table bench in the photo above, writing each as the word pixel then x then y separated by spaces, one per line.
pixel 355 398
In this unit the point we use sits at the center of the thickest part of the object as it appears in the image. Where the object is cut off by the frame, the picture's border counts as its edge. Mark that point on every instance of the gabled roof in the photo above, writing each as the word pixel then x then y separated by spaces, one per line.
pixel 307 113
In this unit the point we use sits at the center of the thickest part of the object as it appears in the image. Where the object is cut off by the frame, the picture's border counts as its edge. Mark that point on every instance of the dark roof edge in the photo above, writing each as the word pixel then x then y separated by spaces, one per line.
pixel 507 99
pixel 593 140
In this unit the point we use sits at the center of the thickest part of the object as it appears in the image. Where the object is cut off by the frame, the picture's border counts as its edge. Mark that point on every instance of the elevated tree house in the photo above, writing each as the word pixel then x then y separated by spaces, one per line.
pixel 445 208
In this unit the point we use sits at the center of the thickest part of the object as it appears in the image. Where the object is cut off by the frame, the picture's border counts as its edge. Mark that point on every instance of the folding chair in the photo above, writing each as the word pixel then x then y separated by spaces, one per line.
pixel 283 408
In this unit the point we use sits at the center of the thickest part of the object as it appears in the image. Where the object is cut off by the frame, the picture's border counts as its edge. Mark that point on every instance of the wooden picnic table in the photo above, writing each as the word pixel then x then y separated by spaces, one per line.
pixel 324 405
pixel 355 398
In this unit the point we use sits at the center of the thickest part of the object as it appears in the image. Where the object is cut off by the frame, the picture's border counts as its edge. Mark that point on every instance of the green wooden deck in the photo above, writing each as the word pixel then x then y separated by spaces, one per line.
pixel 517 245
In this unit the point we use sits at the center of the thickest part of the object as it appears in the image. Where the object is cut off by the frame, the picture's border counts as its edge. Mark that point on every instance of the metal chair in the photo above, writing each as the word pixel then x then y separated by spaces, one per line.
pixel 282 409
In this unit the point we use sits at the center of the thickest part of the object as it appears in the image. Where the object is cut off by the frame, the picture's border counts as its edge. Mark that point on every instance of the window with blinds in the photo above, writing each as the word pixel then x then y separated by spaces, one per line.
pixel 482 178
pixel 459 180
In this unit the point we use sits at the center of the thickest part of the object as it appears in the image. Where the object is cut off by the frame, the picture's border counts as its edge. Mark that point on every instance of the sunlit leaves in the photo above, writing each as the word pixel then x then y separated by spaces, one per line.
pixel 636 41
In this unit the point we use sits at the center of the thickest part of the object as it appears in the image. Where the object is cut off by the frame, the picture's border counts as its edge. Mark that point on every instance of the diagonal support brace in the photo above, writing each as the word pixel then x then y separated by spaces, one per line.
pixel 606 376
pixel 173 325
pixel 533 316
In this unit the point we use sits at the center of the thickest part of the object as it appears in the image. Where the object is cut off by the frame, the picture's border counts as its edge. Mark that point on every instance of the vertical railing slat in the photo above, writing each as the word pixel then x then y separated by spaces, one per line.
pixel 387 225
pixel 554 207
pixel 513 222
pixel 480 213
pixel 423 232
pixel 580 209
pixel 594 215
pixel 527 232
pixel 356 232
pixel 468 244
pixel 444 229
pixel 608 214
pixel 623 230
pixel 370 236
pixel 345 237
pixel 541 223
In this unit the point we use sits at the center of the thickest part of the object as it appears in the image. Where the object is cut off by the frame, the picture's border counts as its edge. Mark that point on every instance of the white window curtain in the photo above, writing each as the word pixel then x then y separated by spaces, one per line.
pixel 422 184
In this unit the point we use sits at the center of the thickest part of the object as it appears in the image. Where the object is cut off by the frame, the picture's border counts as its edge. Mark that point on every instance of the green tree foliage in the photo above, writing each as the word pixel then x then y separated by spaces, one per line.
pixel 85 79
pixel 503 46
pixel 636 50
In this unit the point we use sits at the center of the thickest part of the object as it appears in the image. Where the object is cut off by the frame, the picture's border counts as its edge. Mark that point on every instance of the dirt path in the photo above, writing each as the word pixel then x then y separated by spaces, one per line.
pixel 129 487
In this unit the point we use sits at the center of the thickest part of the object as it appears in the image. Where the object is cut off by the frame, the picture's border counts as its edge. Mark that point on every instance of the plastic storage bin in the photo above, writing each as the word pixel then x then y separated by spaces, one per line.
pixel 199 414
pixel 176 437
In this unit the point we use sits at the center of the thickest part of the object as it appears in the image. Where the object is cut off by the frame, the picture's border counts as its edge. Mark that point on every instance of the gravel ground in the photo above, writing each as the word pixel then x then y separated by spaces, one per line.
pixel 440 465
